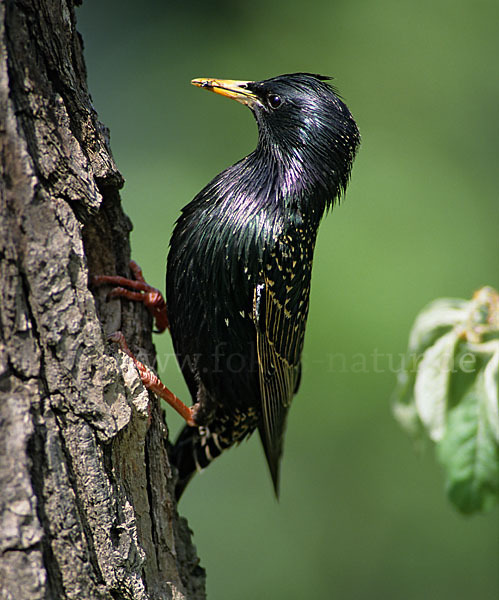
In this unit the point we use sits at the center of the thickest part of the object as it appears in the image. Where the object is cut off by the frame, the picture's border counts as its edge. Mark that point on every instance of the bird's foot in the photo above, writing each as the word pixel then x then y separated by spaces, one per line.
pixel 139 291
pixel 153 383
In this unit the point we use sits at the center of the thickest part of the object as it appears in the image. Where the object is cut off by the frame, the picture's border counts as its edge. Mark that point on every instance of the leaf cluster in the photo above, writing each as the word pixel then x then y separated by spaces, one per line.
pixel 448 390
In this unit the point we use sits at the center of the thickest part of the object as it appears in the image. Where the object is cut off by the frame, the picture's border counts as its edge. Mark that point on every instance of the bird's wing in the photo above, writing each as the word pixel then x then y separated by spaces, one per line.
pixel 280 308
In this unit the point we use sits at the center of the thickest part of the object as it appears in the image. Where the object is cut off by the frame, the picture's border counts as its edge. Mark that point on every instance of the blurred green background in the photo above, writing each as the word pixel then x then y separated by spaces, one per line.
pixel 361 514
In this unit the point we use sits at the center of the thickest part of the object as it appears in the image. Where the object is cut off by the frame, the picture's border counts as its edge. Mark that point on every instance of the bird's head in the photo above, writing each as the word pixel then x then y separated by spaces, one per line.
pixel 304 127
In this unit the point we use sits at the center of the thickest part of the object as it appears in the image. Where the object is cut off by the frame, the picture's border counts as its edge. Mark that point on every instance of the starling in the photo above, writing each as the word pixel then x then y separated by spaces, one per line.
pixel 239 267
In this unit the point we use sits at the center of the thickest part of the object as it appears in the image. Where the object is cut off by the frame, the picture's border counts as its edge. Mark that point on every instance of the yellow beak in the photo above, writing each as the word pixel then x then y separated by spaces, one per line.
pixel 232 88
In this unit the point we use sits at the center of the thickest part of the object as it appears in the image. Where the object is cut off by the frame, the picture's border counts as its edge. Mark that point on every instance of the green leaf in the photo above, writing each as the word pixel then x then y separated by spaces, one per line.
pixel 491 384
pixel 469 452
pixel 434 321
pixel 431 388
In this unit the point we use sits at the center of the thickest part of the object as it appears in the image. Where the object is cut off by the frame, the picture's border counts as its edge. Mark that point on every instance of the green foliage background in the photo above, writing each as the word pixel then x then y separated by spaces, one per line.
pixel 361 514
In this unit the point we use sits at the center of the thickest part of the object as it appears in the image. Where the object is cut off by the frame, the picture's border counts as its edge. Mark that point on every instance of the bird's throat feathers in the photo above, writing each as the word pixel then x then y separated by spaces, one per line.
pixel 284 180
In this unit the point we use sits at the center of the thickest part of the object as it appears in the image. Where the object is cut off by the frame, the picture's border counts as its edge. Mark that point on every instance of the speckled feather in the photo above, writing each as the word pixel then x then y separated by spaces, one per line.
pixel 239 269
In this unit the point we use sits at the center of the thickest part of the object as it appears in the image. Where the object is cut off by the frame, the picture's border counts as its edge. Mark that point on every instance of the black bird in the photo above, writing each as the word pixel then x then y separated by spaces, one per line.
pixel 239 266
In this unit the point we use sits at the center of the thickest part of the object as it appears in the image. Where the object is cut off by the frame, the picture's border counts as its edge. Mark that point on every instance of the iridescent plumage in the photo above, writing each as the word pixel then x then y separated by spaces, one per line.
pixel 239 266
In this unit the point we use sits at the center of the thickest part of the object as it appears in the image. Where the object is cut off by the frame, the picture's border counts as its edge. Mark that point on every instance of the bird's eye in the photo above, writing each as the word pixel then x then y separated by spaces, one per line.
pixel 274 101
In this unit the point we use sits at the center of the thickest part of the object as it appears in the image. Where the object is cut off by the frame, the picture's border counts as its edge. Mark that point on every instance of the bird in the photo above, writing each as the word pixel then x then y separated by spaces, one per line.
pixel 240 261
pixel 239 269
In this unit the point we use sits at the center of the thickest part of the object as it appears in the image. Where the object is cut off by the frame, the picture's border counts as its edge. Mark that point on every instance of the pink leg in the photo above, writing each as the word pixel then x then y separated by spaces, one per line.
pixel 151 297
pixel 153 383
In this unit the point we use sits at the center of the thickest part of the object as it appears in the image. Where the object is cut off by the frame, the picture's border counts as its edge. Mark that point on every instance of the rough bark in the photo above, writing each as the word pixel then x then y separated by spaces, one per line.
pixel 86 503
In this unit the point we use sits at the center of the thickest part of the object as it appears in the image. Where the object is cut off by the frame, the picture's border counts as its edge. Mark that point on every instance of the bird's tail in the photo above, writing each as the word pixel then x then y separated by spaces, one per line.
pixel 193 451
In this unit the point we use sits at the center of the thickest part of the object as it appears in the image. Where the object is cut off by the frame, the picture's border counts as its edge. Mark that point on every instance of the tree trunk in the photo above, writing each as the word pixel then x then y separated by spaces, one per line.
pixel 86 498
